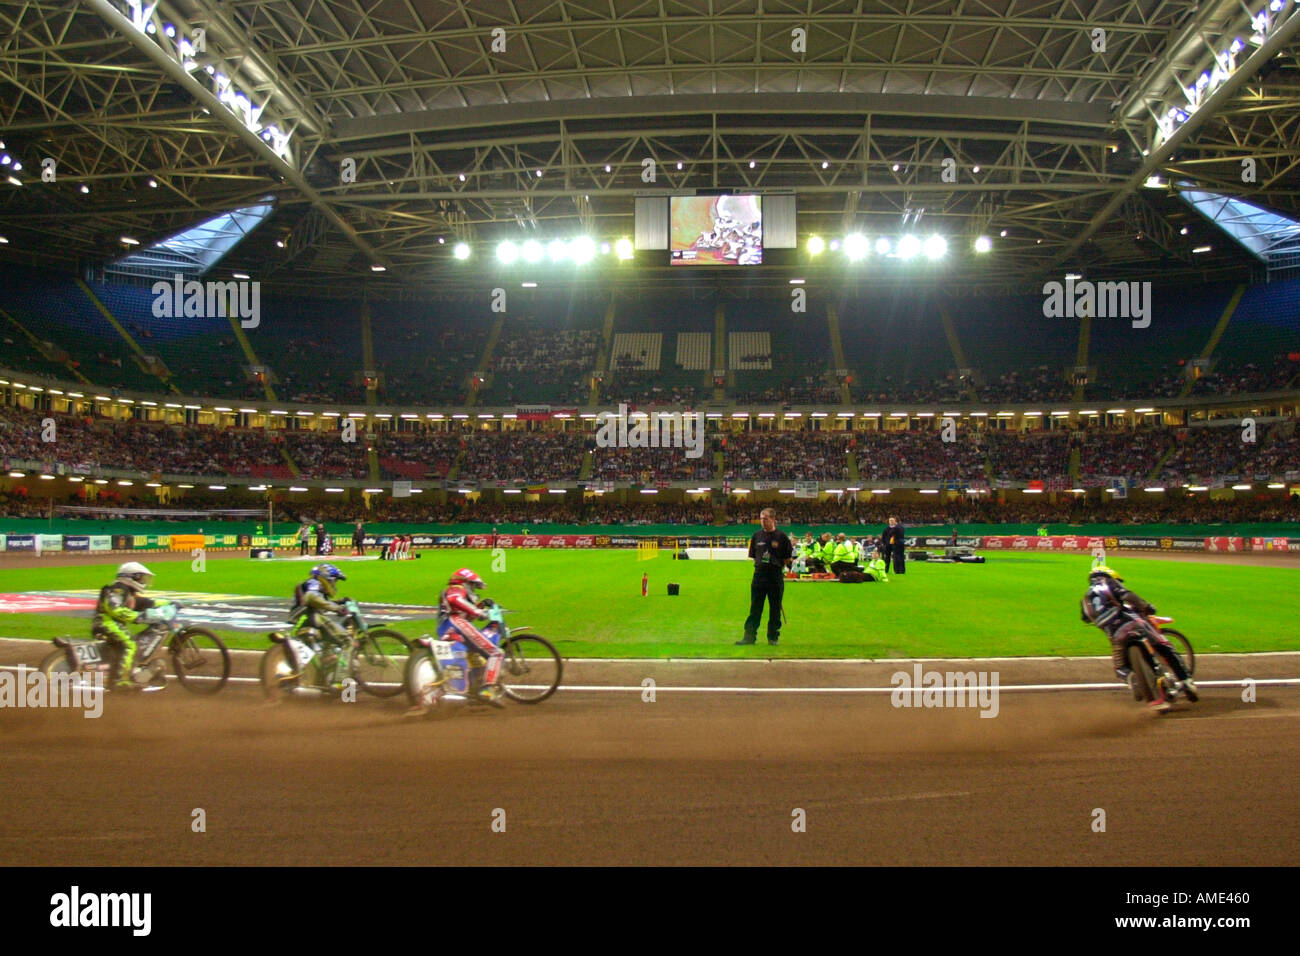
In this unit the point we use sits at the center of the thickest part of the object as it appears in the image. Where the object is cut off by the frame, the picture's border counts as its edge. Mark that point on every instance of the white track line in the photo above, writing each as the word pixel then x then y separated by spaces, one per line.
pixel 638 688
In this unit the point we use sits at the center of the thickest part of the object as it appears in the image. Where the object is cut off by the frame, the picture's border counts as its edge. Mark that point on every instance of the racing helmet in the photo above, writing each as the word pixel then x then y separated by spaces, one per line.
pixel 1102 570
pixel 466 578
pixel 327 574
pixel 134 575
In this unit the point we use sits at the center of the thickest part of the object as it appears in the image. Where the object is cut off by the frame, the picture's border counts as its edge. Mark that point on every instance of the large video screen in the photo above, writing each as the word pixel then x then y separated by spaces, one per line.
pixel 715 230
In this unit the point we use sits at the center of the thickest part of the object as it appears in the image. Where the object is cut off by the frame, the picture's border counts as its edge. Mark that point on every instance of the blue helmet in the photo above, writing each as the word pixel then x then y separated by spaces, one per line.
pixel 327 574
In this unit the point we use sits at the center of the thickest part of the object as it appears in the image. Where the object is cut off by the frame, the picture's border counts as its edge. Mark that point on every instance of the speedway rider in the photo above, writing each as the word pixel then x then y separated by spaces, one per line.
pixel 1120 613
pixel 122 603
pixel 458 608
pixel 315 597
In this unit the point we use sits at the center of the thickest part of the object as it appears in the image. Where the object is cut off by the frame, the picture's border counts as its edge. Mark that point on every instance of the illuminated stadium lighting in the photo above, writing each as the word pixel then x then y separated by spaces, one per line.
pixel 507 415
pixel 623 248
pixel 816 245
pixel 487 415
pixel 908 247
pixel 929 491
pixel 555 491
pixel 785 491
pixel 3 241
pixel 1276 485
pixel 128 241
pixel 767 414
pixel 1079 491
pixel 1003 233
pixel 835 244
pixel 1241 487
pixel 1144 411
pixel 1060 414
pixel 895 167
pixel 17 474
pixel 925 414
pixel 460 416
pixel 936 247
pixel 384 416
pixel 1031 491
pixel 1197 488
pixel 1006 414
pixel 297 489
pixel 796 281
pixel 378 268
pixel 216 487
pixel 15 181
pixel 983 244
pixel 75 478
pixel 461 250
pixel 507 252
pixel 825 165
pixel 679 167
pixel 532 251
pixel 557 250
pixel 1115 411
pixel 55 391
pixel 153 184
pixel 818 415
pixel 356 414
pixel 334 491
pixel 979 414
pixel 1200 249
pixel 1182 231
pixel 880 491
pixel 127 401
pixel 1091 411
pixel 883 246
pixel 76 395
pixel 528 285
pixel 855 246
pixel 462 177
pixel 605 248
pixel 898 414
pixel 752 164
pixel 871 414
pixel 1153 490
pixel 1033 414
pixel 583 250
pixel 975 169
pixel 223 408
pixel 512 491
pixel 843 414
pixel 373 491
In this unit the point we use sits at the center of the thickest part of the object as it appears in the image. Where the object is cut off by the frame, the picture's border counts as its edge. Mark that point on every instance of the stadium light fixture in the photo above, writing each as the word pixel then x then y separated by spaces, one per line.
pixel 1200 249
pixel 194 408
pixel 983 244
pixel 128 241
pixel 1153 490
pixel 511 491
pixel 1079 491
pixel 532 251
pixel 796 281
pixel 528 285
pixel 767 414
pixel 127 401
pixel 713 415
pixel 1031 491
pixel 1091 411
pixel 507 252
pixel 1115 411
pixel 334 491
pixel 1197 488
pixel 1003 233
pixel 785 491
pixel 679 166
pixel 17 474
pixel 15 181
pixel 583 250
pixel 794 414
pixel 378 268
pixel 979 414
pixel 929 491
pixel 216 487
pixel 936 247
pixel 605 248
pixel 1144 411
pixel 1275 485
pixel 76 395
pixel 1033 414
pixel 871 414
pixel 295 488
pixel 835 245
pixel 223 408
pixel 3 241
pixel 75 478
pixel 384 416
pixel 880 491
pixel 624 249
pixel 740 491
pixel 818 415
pixel 461 250
pixel 908 247
pixel 557 250
pixel 816 245
pixel 373 491
pixel 506 415
pixel 1241 487
pixel 855 246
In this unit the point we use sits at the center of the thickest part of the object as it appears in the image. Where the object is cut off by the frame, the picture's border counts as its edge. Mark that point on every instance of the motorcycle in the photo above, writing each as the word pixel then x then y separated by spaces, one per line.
pixel 443 673
pixel 303 661
pixel 199 658
pixel 1151 672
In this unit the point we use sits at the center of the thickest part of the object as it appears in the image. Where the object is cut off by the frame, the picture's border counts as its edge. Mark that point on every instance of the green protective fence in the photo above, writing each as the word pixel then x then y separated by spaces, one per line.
pixel 226 532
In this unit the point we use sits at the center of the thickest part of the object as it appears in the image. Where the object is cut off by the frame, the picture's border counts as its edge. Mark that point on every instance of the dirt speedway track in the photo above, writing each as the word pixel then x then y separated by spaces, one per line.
pixel 693 778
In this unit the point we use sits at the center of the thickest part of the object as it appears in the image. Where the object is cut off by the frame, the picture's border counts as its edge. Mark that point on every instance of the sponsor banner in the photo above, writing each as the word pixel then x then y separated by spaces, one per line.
pixel 623 541
pixel 765 484
pixel 187 542
pixel 558 541
pixel 530 541
pixel 20 542
pixel 421 540
pixel 76 542
pixel 805 489
pixel 401 489
pixel 943 542
pixel 50 542
pixel 1188 544
pixel 1225 544
pixel 584 541
pixel 1051 542
pixel 2 542
pixel 1270 544
pixel 477 541
pixel 101 542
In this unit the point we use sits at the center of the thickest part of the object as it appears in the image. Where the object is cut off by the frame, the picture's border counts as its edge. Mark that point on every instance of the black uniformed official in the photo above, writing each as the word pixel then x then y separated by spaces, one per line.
pixel 894 547
pixel 771 552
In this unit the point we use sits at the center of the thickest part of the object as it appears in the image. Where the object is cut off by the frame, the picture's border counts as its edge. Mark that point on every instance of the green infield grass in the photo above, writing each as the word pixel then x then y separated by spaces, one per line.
pixel 589 603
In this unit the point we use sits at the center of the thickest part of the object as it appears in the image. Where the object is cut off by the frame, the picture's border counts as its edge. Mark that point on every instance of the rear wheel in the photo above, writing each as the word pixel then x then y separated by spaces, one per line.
pixel 1183 646
pixel 379 662
pixel 425 684
pixel 1144 678
pixel 278 675
pixel 201 660
pixel 531 670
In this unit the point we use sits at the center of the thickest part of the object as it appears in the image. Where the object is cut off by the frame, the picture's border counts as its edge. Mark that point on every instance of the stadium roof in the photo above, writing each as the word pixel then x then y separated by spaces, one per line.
pixel 449 111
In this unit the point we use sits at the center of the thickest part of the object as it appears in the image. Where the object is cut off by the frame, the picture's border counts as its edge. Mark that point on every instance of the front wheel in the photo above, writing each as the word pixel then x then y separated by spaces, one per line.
pixel 1183 646
pixel 201 660
pixel 379 662
pixel 531 670
pixel 56 663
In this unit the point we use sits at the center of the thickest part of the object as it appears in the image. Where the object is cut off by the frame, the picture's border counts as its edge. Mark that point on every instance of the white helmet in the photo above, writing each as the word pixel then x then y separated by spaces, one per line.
pixel 135 575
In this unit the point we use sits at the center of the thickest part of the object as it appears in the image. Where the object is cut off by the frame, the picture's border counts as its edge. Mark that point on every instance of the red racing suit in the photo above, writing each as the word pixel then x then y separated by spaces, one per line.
pixel 458 607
